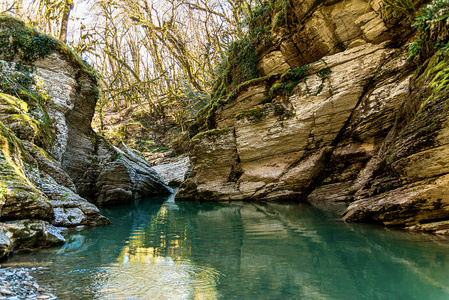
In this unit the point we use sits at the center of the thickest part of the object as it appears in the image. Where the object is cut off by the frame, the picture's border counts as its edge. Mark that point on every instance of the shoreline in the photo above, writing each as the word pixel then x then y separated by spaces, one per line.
pixel 18 284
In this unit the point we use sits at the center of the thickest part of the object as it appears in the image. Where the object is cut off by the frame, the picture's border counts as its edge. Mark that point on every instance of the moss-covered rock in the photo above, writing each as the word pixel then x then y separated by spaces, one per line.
pixel 31 234
pixel 20 198
pixel 46 91
pixel 21 42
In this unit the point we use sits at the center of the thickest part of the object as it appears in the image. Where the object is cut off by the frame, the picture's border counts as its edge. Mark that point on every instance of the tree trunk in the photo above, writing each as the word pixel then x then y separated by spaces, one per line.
pixel 65 20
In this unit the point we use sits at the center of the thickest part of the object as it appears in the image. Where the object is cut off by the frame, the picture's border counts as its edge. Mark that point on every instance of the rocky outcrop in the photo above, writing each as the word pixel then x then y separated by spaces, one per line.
pixel 30 234
pixel 280 150
pixel 101 172
pixel 175 172
pixel 338 115
pixel 406 183
pixel 51 161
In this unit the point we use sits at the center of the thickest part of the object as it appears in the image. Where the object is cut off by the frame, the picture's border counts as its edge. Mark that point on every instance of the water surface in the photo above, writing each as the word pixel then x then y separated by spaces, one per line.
pixel 158 249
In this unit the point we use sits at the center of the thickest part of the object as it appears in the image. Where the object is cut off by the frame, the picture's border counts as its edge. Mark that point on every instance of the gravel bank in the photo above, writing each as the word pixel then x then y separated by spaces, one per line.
pixel 17 284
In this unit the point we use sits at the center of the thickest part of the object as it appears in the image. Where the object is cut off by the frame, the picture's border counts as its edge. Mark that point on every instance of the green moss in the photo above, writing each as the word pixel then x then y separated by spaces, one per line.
pixel 437 72
pixel 205 117
pixel 440 83
pixel 10 147
pixel 21 41
pixel 45 134
pixel 25 121
pixel 395 8
pixel 159 149
pixel 290 79
pixel 424 113
pixel 244 86
pixel 239 65
pixel 96 92
pixel 15 103
pixel 432 35
pixel 254 113
pixel 213 133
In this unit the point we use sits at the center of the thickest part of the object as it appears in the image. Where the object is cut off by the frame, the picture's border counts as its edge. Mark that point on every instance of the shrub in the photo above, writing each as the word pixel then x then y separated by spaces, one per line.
pixel 432 31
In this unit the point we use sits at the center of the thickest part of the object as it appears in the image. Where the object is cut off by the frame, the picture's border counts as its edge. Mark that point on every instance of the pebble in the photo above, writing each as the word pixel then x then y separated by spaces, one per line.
pixel 17 284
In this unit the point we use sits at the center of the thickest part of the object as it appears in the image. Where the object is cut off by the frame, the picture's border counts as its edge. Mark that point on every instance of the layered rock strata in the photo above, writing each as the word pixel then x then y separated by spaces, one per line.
pixel 360 126
pixel 53 166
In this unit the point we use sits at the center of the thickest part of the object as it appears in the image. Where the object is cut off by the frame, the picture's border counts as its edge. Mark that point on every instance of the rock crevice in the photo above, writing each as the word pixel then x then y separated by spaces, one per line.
pixel 51 161
pixel 367 129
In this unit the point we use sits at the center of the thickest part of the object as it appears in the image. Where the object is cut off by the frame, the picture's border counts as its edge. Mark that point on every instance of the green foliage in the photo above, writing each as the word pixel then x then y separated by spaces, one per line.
pixel 17 40
pixel 240 63
pixel 267 16
pixel 261 14
pixel 323 74
pixel 394 8
pixel 194 96
pixel 280 9
pixel 239 66
pixel 188 104
pixel 118 157
pixel 432 35
pixel 24 43
pixel 290 79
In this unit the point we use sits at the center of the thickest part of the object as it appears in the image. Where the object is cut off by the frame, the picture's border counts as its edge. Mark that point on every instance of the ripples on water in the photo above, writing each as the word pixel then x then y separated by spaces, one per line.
pixel 158 249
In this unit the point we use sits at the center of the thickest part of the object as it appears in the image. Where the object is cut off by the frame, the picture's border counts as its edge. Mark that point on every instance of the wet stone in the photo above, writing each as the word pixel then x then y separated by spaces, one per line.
pixel 17 284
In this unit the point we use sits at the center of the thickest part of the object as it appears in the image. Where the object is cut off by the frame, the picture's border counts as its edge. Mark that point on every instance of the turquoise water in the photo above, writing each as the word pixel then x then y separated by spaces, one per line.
pixel 159 249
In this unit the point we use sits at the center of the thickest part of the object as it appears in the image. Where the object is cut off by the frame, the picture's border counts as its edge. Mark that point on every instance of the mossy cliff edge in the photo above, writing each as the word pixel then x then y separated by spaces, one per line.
pixel 343 103
pixel 51 161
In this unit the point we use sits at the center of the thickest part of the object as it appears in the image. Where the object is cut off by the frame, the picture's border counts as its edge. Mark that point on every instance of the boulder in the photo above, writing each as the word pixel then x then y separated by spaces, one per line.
pixel 31 234
pixel 175 172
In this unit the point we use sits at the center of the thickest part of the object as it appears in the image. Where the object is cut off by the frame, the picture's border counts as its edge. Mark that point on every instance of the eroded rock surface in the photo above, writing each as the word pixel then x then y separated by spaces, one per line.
pixel 175 172
pixel 361 127
pixel 53 166
pixel 282 154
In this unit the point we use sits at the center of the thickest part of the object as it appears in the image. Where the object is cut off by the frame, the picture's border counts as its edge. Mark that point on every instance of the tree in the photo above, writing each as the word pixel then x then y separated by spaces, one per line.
pixel 67 7
pixel 49 16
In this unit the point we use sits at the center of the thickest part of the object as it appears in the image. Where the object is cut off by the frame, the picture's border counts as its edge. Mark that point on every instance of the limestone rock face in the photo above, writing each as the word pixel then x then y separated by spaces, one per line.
pixel 175 172
pixel 316 29
pixel 406 183
pixel 31 234
pixel 5 244
pixel 83 154
pixel 87 157
pixel 362 130
pixel 282 154
pixel 51 161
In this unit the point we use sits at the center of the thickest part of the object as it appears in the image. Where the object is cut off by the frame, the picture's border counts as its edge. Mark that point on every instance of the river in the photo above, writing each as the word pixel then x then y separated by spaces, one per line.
pixel 159 249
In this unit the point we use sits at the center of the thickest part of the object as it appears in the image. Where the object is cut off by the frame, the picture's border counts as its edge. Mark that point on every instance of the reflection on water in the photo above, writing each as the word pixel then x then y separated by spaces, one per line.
pixel 158 249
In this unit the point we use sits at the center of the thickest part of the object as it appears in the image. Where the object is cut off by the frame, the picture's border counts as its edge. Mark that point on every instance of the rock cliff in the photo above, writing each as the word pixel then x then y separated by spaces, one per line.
pixel 53 166
pixel 338 114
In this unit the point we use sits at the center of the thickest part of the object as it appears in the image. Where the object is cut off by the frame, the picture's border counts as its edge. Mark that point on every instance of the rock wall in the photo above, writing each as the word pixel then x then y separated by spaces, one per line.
pixel 357 126
pixel 51 161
